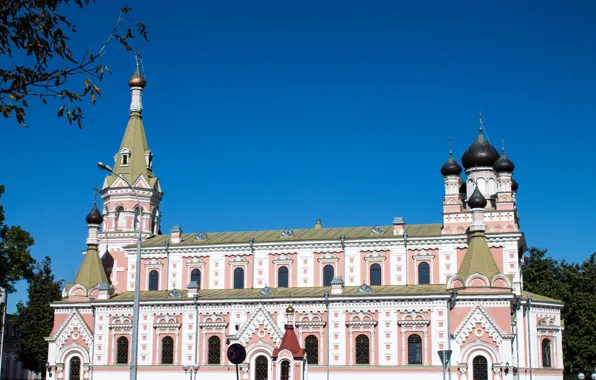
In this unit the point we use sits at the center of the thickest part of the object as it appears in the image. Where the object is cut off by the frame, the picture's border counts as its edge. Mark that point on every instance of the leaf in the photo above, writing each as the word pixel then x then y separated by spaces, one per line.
pixel 61 111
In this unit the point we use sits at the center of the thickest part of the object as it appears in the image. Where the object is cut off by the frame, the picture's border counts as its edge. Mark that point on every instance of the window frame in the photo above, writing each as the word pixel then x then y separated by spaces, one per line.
pixel 162 351
pixel 310 346
pixel 427 266
pixel 287 276
pixel 149 282
pixel 359 350
pixel 211 353
pixel 325 282
pixel 236 278
pixel 378 269
pixel 119 347
pixel 547 343
pixel 418 353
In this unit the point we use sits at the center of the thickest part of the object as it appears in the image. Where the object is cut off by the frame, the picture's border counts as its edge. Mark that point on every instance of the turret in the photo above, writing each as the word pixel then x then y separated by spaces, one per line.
pixel 504 167
pixel 451 172
pixel 478 161
pixel 134 163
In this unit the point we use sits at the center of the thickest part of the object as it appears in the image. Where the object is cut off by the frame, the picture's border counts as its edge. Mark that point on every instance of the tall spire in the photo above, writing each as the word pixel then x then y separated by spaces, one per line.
pixel 134 157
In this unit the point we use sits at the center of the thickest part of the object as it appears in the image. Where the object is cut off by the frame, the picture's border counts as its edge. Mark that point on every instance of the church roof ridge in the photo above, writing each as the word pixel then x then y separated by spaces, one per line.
pixel 325 233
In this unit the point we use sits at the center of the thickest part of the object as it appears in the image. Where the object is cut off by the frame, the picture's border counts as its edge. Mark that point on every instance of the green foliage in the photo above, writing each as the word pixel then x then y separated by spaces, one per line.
pixel 34 321
pixel 16 262
pixel 574 284
pixel 34 33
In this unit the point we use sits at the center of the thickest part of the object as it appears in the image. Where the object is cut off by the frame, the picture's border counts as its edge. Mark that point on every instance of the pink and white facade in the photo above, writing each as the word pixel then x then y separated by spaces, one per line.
pixel 311 303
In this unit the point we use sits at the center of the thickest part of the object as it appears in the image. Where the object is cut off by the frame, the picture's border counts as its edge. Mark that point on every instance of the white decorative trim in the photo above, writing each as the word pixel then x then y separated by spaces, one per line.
pixel 283 259
pixel 375 256
pixel 260 316
pixel 167 322
pixel 195 262
pixel 310 320
pixel 238 261
pixel 328 257
pixel 479 315
pixel 153 264
pixel 121 323
pixel 357 320
pixel 74 320
pixel 214 321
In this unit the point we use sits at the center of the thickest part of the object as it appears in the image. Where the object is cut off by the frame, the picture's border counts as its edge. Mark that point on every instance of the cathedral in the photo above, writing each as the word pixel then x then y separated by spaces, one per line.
pixel 313 303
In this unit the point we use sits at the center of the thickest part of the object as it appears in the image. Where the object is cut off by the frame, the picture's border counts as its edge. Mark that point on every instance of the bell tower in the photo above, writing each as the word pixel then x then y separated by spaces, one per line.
pixel 133 164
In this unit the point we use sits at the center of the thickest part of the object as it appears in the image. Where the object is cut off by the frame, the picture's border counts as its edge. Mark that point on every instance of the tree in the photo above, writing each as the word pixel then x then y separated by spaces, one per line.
pixel 35 33
pixel 575 285
pixel 34 321
pixel 16 262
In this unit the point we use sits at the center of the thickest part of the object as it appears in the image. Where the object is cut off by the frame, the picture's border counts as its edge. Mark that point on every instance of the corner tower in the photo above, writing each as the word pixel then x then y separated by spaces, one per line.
pixel 134 162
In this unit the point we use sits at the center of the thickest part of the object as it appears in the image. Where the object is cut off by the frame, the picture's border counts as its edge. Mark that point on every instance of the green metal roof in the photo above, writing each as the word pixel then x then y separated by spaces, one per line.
pixel 478 258
pixel 91 271
pixel 294 293
pixel 274 236
pixel 136 142
pixel 539 298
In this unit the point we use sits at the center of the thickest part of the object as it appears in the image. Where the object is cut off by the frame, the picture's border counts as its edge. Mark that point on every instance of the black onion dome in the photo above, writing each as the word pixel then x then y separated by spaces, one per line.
pixel 504 164
pixel 94 216
pixel 514 184
pixel 477 200
pixel 480 153
pixel 451 167
pixel 462 188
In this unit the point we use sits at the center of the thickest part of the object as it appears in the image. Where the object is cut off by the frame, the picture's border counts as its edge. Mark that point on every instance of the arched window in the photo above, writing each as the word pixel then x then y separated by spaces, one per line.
pixel 362 350
pixel 195 276
pixel 375 274
pixel 119 219
pixel 137 219
pixel 154 280
pixel 74 372
pixel 480 368
pixel 327 275
pixel 122 350
pixel 261 368
pixel 481 183
pixel 546 353
pixel 282 277
pixel 311 346
pixel 284 373
pixel 423 273
pixel 125 156
pixel 238 278
pixel 414 349
pixel 167 350
pixel 214 350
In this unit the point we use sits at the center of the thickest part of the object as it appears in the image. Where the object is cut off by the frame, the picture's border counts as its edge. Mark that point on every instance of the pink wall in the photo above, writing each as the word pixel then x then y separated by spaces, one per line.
pixel 229 269
pixel 292 269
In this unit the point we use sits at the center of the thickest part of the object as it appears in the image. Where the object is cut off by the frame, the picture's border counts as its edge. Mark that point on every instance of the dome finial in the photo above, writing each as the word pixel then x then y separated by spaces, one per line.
pixel 94 216
pixel 450 147
pixel 480 127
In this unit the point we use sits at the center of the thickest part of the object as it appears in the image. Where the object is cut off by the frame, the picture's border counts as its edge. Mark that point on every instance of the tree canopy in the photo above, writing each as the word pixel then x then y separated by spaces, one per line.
pixel 16 262
pixel 574 284
pixel 35 34
pixel 35 320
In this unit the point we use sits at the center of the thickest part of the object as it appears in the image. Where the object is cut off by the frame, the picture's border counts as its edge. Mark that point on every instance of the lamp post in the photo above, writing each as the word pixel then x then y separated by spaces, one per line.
pixel 581 376
pixel 450 306
pixel 137 296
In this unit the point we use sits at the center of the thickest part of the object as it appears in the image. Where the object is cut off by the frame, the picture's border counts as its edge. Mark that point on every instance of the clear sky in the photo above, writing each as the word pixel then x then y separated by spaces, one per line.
pixel 271 114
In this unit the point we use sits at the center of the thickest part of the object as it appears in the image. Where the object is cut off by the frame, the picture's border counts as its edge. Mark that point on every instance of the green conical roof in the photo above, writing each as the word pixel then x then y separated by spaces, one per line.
pixel 135 142
pixel 478 258
pixel 91 271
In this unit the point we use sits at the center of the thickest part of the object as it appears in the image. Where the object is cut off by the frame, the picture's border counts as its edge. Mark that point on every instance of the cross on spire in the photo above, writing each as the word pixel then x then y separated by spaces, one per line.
pixel 502 143
pixel 95 190
pixel 450 147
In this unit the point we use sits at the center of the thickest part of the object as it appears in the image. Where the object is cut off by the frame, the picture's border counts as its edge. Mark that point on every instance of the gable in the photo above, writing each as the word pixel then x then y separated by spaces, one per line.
pixel 478 315
pixel 74 329
pixel 260 317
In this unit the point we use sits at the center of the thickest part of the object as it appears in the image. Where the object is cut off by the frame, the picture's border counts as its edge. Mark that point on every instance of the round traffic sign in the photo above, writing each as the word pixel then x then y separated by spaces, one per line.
pixel 236 353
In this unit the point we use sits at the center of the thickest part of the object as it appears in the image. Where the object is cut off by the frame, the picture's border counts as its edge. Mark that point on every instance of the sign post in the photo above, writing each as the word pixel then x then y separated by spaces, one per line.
pixel 445 356
pixel 236 355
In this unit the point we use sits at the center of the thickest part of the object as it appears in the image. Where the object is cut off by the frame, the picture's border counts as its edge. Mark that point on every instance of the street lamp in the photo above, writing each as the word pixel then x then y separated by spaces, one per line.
pixel 593 376
pixel 581 376
pixel 137 297
pixel 189 369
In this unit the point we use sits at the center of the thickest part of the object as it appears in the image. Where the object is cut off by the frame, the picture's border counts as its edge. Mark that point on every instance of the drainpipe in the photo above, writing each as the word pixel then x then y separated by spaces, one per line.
pixel 406 247
pixel 517 306
pixel 328 332
pixel 167 245
pixel 342 241
pixel 196 366
pixel 92 346
pixel 251 243
pixel 528 305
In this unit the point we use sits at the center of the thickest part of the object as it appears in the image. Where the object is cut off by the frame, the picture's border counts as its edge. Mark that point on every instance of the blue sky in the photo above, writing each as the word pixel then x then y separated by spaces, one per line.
pixel 270 114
